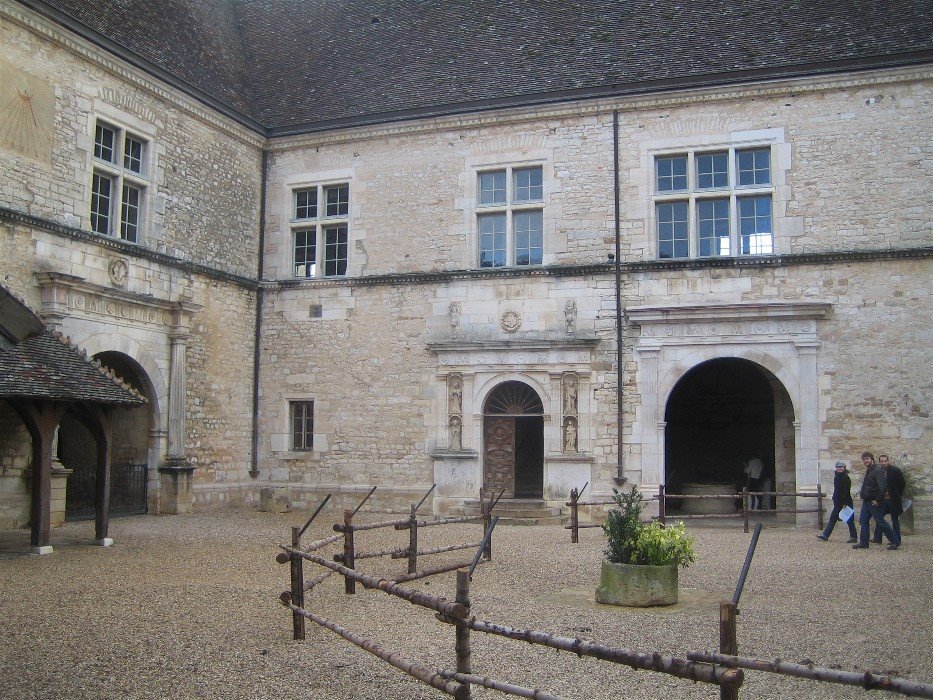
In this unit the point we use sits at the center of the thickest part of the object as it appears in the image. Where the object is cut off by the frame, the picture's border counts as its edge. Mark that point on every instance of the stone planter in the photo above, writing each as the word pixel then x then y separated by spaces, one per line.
pixel 637 585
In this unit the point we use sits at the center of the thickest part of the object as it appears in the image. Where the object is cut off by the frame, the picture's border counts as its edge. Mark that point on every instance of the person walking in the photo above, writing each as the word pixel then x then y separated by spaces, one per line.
pixel 893 497
pixel 842 497
pixel 872 493
pixel 754 468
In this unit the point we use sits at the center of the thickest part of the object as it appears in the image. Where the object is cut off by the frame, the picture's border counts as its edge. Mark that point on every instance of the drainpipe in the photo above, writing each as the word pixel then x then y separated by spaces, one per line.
pixel 257 330
pixel 619 478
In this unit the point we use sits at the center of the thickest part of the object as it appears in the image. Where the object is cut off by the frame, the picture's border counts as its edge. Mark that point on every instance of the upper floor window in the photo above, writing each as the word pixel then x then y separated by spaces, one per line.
pixel 302 423
pixel 714 203
pixel 118 181
pixel 510 217
pixel 320 230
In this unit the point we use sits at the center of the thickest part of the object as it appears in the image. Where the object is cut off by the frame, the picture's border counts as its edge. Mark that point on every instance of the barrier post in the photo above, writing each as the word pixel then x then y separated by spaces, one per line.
pixel 745 507
pixel 487 518
pixel 413 540
pixel 574 516
pixel 298 588
pixel 463 633
pixel 728 643
pixel 662 504
pixel 819 506
pixel 349 558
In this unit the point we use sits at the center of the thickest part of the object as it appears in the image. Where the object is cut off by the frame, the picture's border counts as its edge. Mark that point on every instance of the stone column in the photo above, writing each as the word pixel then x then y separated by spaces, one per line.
pixel 175 495
pixel 650 417
pixel 808 447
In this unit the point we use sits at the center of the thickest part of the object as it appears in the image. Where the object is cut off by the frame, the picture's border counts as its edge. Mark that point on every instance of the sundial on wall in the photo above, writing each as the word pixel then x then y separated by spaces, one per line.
pixel 27 106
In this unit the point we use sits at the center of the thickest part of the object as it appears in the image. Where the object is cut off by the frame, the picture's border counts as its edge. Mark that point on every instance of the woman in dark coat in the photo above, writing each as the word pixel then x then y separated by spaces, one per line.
pixel 842 497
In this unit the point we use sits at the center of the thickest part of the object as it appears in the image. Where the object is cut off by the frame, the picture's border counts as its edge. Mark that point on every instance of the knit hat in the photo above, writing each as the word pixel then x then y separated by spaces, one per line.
pixel 842 464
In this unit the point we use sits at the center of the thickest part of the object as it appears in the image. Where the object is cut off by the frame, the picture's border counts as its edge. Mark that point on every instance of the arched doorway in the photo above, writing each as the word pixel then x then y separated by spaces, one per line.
pixel 129 450
pixel 720 414
pixel 513 441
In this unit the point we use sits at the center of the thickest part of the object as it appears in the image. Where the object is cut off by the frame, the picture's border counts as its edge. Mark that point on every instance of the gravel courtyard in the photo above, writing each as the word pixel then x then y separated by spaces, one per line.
pixel 187 607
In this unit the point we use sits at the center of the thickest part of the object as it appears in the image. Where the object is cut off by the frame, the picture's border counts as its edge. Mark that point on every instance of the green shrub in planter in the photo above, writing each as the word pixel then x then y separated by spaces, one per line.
pixel 659 546
pixel 632 542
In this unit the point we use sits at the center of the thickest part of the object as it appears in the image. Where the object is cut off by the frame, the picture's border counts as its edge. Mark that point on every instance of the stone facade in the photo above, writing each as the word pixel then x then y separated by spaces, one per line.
pixel 403 355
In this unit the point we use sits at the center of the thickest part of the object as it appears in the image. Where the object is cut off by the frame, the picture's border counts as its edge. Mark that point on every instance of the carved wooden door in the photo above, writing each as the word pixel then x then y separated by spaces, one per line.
pixel 499 456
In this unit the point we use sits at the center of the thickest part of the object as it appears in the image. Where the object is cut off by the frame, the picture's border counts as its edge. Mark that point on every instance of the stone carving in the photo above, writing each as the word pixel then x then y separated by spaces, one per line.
pixel 455 395
pixel 570 316
pixel 570 435
pixel 511 321
pixel 455 434
pixel 454 311
pixel 570 395
pixel 119 272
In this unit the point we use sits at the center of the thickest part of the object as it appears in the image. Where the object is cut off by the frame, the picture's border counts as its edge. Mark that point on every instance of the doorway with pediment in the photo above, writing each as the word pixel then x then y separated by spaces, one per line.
pixel 513 441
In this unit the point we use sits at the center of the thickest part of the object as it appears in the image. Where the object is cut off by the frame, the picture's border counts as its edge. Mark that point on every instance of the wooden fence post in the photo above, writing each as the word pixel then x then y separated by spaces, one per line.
pixel 413 540
pixel 819 506
pixel 574 516
pixel 298 586
pixel 745 506
pixel 349 558
pixel 728 644
pixel 463 633
pixel 662 504
pixel 487 519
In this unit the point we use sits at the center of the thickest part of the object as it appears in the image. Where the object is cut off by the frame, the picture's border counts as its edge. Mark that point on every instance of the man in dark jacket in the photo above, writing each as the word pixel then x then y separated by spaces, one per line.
pixel 893 497
pixel 842 497
pixel 872 494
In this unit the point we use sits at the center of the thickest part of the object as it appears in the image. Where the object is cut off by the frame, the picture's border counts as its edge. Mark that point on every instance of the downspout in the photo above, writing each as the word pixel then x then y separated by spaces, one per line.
pixel 257 330
pixel 619 478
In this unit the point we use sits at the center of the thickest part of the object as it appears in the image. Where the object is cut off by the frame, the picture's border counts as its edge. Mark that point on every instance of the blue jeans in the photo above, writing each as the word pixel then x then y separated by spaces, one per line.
pixel 834 517
pixel 868 512
pixel 895 523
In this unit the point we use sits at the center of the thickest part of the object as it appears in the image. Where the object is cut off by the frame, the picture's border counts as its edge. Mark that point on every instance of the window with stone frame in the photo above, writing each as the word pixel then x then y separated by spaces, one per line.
pixel 119 181
pixel 714 202
pixel 302 424
pixel 319 227
pixel 510 216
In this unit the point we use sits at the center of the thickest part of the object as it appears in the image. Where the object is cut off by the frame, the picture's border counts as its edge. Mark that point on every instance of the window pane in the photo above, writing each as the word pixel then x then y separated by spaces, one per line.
pixel 302 425
pixel 491 240
pixel 492 187
pixel 337 200
pixel 671 173
pixel 527 185
pixel 672 230
pixel 755 225
pixel 529 237
pixel 753 167
pixel 335 251
pixel 101 193
pixel 305 252
pixel 713 226
pixel 712 170
pixel 133 154
pixel 104 136
pixel 129 213
pixel 306 204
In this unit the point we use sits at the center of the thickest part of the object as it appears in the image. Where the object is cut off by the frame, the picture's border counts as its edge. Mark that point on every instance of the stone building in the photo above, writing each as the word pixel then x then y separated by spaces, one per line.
pixel 513 245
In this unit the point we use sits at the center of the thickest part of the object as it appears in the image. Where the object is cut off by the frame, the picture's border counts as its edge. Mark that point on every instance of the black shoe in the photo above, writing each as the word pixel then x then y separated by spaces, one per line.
pixel 876 541
pixel 820 537
pixel 893 546
pixel 853 539
pixel 859 546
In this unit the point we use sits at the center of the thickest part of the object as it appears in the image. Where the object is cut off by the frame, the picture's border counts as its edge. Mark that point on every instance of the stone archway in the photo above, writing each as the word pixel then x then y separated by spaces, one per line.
pixel 130 449
pixel 513 441
pixel 720 414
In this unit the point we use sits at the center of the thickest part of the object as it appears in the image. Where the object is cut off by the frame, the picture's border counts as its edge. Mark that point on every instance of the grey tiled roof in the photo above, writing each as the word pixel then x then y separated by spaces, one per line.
pixel 38 364
pixel 298 65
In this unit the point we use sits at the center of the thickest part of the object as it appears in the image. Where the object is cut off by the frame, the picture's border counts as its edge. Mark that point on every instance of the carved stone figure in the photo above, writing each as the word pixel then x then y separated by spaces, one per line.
pixel 454 311
pixel 570 316
pixel 455 396
pixel 570 435
pixel 455 430
pixel 570 395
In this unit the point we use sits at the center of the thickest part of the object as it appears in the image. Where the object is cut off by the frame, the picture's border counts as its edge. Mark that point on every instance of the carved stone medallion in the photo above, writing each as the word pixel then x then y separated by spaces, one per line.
pixel 119 272
pixel 511 321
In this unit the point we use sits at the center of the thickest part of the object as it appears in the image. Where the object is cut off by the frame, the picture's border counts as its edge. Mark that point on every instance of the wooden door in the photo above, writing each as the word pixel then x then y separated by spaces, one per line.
pixel 499 456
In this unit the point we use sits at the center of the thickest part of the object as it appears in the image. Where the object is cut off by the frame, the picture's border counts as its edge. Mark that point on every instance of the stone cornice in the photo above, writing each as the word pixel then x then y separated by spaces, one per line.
pixel 605 105
pixel 193 104
pixel 495 344
pixel 117 245
pixel 687 313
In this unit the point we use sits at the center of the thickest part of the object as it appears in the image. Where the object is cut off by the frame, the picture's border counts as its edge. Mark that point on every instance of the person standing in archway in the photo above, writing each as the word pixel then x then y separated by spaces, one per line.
pixel 842 497
pixel 754 468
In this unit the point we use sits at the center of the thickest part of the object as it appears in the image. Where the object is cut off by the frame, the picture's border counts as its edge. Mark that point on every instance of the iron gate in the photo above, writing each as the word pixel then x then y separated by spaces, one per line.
pixel 127 491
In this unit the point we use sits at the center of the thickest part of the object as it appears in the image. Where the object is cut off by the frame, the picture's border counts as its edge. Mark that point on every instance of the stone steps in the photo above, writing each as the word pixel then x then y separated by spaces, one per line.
pixel 519 511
